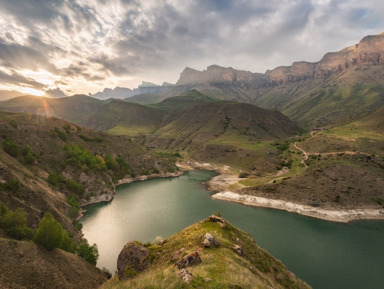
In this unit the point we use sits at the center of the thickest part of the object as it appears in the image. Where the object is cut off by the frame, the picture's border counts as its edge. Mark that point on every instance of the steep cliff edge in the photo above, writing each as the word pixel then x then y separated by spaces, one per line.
pixel 209 254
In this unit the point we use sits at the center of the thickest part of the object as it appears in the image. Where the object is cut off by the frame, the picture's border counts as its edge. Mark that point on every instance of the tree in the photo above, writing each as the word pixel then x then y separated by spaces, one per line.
pixel 49 233
pixel 87 252
pixel 15 225
pixel 29 158
pixel 11 148
pixel 66 243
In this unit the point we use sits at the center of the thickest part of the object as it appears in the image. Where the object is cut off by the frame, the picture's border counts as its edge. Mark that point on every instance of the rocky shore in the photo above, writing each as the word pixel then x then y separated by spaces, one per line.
pixel 221 186
pixel 320 213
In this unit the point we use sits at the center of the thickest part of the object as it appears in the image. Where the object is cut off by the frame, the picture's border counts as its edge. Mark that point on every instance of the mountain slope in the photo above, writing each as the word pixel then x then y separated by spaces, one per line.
pixel 27 265
pixel 72 108
pixel 235 262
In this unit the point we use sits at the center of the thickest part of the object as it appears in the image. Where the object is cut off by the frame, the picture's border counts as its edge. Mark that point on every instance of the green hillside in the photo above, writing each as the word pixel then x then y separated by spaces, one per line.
pixel 182 102
pixel 314 103
pixel 235 262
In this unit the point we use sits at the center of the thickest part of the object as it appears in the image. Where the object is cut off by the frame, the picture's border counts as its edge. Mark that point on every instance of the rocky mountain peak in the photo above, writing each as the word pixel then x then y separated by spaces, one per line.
pixel 370 50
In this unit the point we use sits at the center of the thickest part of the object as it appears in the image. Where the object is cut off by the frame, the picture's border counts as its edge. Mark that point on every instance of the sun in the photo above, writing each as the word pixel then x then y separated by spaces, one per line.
pixel 29 90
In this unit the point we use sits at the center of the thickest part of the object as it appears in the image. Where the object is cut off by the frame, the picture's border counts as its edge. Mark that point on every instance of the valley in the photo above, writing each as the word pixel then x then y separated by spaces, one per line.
pixel 306 138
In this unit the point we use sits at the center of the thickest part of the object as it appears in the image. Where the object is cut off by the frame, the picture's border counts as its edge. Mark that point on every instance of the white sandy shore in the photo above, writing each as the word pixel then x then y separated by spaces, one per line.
pixel 329 215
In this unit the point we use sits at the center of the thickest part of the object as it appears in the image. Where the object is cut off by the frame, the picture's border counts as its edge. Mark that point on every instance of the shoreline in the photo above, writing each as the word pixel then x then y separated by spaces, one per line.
pixel 109 197
pixel 339 216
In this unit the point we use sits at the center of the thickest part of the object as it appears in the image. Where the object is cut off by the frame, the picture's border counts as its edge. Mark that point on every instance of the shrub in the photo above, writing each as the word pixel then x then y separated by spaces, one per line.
pixel 15 224
pixel 11 148
pixel 13 186
pixel 87 252
pixel 217 214
pixel 73 201
pixel 66 243
pixel 29 158
pixel 49 233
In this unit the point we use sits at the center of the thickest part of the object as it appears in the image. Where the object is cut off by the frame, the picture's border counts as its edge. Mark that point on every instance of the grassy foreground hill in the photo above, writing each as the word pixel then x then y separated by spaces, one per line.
pixel 231 260
pixel 27 265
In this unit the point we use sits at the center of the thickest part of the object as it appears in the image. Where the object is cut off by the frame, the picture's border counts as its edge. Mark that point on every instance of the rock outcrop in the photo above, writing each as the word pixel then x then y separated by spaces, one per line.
pixel 188 260
pixel 370 51
pixel 132 260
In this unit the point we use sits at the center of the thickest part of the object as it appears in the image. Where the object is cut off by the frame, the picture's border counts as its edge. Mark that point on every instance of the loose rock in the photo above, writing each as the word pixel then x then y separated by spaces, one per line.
pixel 191 259
pixel 185 275
pixel 206 243
pixel 238 250
pixel 177 255
pixel 211 240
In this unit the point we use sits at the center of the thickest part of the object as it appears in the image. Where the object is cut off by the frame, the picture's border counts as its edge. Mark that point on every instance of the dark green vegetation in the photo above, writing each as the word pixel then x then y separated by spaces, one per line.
pixel 223 265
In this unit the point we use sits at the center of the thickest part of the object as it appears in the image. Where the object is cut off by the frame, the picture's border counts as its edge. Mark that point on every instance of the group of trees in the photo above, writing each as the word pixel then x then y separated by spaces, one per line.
pixel 11 148
pixel 49 234
pixel 80 157
pixel 61 182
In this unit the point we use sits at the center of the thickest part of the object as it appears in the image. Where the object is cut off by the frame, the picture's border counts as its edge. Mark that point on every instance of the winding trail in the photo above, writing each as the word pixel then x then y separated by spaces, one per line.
pixel 306 155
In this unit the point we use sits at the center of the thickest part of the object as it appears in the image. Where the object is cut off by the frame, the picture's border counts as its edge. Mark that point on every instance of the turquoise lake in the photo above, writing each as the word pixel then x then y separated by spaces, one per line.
pixel 324 254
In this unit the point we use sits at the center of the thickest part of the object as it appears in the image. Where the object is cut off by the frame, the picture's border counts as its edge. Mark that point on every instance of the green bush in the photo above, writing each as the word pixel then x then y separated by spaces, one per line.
pixel 11 148
pixel 15 223
pixel 73 201
pixel 29 158
pixel 66 243
pixel 13 186
pixel 87 252
pixel 49 233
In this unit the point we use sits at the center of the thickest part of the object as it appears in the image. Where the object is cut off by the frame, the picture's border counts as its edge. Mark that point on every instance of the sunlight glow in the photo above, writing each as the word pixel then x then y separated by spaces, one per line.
pixel 29 90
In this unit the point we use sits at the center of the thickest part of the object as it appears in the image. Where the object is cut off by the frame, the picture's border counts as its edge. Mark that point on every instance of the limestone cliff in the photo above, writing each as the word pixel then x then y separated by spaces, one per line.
pixel 370 50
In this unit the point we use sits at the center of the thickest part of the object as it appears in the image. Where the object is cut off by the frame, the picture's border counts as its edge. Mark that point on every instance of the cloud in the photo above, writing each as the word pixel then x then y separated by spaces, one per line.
pixel 93 43
pixel 16 79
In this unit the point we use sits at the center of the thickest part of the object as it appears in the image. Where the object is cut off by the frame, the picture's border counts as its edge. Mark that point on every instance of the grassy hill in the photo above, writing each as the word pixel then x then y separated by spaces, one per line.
pixel 235 134
pixel 237 262
pixel 27 265
pixel 120 117
pixel 73 108
pixel 314 103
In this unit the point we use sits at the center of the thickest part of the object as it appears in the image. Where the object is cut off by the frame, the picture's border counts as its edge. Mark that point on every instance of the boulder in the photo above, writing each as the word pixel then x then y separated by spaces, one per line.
pixel 132 260
pixel 185 275
pixel 206 243
pixel 190 259
pixel 177 255
pixel 211 240
pixel 238 250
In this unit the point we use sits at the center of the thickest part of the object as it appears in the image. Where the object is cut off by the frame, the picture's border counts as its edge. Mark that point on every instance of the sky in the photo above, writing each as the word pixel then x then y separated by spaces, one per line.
pixel 84 46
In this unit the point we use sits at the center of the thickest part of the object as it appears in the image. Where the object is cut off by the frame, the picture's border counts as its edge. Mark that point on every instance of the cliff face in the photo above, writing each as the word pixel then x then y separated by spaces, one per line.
pixel 217 74
pixel 370 50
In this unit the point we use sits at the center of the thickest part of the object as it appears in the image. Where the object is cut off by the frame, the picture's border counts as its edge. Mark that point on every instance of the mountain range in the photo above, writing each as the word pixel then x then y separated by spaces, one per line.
pixel 312 94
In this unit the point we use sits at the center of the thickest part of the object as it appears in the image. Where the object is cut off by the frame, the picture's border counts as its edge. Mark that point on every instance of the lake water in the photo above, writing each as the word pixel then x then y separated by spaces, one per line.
pixel 324 254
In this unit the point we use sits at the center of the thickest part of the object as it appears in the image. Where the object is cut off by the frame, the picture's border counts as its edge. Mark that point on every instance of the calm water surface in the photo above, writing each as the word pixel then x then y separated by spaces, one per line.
pixel 324 254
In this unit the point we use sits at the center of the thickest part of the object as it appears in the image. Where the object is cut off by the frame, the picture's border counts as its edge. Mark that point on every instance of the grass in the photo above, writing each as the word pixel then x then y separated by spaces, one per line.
pixel 131 130
pixel 222 265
